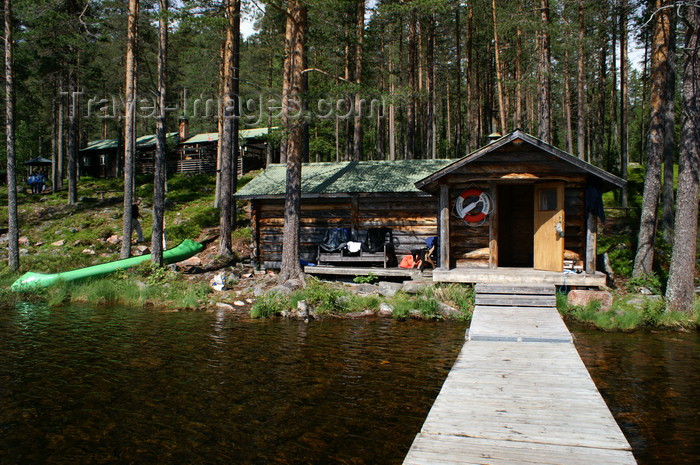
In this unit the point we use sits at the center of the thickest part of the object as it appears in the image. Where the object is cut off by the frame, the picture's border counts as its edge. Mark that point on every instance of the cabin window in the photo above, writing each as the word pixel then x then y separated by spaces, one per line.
pixel 548 200
pixel 103 160
pixel 86 161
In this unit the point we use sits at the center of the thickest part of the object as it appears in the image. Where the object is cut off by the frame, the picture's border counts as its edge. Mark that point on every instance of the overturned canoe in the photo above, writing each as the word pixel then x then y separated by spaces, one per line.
pixel 31 280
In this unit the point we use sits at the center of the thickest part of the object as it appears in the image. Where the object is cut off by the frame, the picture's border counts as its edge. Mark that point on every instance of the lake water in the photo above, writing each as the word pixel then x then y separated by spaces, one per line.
pixel 113 385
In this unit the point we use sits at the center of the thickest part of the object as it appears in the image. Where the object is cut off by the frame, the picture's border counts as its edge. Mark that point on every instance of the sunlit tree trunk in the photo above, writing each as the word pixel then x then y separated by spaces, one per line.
pixel 580 87
pixel 644 259
pixel 412 86
pixel 129 126
pixel 160 162
pixel 72 147
pixel 567 104
pixel 667 215
pixel 499 75
pixel 357 133
pixel 468 133
pixel 624 100
pixel 458 90
pixel 519 72
pixel 59 136
pixel 294 61
pixel 12 221
pixel 680 286
pixel 545 117
pixel 230 130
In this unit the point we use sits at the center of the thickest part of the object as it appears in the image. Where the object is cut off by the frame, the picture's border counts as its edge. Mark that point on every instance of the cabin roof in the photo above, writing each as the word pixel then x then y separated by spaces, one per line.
pixel 254 133
pixel 340 179
pixel 518 137
pixel 143 142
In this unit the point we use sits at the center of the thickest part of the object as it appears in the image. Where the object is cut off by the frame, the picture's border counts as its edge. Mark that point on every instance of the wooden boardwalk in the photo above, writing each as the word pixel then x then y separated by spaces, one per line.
pixel 519 394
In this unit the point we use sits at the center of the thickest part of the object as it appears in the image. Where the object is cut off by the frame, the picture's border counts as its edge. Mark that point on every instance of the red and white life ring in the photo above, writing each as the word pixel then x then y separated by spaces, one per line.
pixel 473 205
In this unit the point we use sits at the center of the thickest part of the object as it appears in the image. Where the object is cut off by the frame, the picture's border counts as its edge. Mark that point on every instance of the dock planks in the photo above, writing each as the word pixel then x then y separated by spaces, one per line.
pixel 519 394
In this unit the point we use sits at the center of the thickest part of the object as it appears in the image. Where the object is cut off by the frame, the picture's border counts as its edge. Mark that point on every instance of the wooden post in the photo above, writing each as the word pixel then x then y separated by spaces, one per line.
pixel 355 219
pixel 493 228
pixel 255 235
pixel 444 227
pixel 591 242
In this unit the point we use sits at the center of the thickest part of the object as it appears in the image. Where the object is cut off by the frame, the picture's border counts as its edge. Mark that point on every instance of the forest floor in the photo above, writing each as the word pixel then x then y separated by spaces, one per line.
pixel 55 236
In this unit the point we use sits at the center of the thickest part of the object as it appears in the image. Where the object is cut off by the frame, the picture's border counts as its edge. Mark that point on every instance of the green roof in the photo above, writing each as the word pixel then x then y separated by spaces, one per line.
pixel 142 142
pixel 214 136
pixel 101 145
pixel 345 178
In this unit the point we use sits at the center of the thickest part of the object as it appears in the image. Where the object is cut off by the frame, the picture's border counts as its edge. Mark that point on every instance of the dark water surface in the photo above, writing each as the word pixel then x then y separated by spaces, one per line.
pixel 113 385
pixel 85 385
pixel 651 383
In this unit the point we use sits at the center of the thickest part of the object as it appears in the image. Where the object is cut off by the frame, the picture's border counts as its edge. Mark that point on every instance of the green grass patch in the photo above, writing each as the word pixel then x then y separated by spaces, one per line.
pixel 268 305
pixel 423 305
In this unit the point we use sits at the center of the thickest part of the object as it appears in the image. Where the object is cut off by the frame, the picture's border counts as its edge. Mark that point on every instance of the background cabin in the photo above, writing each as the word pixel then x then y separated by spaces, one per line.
pixel 197 154
pixel 105 158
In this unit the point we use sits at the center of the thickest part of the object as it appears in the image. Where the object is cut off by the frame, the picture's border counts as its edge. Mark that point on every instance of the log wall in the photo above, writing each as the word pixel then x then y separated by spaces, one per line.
pixel 412 218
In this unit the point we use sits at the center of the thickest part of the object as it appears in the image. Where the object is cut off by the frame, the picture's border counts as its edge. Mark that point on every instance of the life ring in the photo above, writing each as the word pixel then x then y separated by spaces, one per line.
pixel 473 205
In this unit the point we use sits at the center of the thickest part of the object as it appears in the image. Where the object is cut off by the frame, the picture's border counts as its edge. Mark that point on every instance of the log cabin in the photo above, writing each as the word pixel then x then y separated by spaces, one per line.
pixel 516 204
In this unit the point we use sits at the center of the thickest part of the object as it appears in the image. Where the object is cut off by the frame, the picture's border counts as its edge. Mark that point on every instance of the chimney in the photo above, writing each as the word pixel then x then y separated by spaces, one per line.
pixel 184 129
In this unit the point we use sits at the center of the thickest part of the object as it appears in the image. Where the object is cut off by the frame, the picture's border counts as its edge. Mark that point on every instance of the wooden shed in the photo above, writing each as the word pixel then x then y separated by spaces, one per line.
pixel 351 195
pixel 542 209
pixel 516 206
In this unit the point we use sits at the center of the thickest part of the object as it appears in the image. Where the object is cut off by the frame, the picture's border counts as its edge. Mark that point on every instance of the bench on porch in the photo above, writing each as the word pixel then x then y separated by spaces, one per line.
pixel 344 256
pixel 374 249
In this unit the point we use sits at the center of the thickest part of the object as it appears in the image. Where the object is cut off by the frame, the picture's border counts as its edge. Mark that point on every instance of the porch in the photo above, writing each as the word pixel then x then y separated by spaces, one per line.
pixel 473 275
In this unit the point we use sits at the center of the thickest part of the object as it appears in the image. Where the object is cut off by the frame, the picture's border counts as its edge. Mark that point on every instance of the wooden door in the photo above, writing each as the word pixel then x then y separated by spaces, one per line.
pixel 549 227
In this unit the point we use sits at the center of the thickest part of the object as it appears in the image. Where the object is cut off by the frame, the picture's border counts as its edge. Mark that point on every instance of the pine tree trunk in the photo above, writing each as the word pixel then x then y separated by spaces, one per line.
pixel 545 103
pixel 54 161
pixel 392 108
pixel 669 136
pixel 230 136
pixel 72 148
pixel 59 137
pixel 129 127
pixel 157 237
pixel 430 90
pixel 567 104
pixel 680 286
pixel 357 133
pixel 381 114
pixel 296 36
pixel 624 101
pixel 644 259
pixel 642 119
pixel 519 72
pixel 499 75
pixel 468 132
pixel 611 159
pixel 602 68
pixel 220 120
pixel 580 87
pixel 12 218
pixel 458 90
pixel 412 88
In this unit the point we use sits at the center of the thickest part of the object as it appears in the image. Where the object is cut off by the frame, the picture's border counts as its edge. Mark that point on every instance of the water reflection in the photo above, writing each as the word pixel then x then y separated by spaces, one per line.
pixel 651 382
pixel 95 385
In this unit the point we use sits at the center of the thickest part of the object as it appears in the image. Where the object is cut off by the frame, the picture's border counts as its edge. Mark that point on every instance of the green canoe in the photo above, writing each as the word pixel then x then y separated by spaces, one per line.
pixel 31 280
